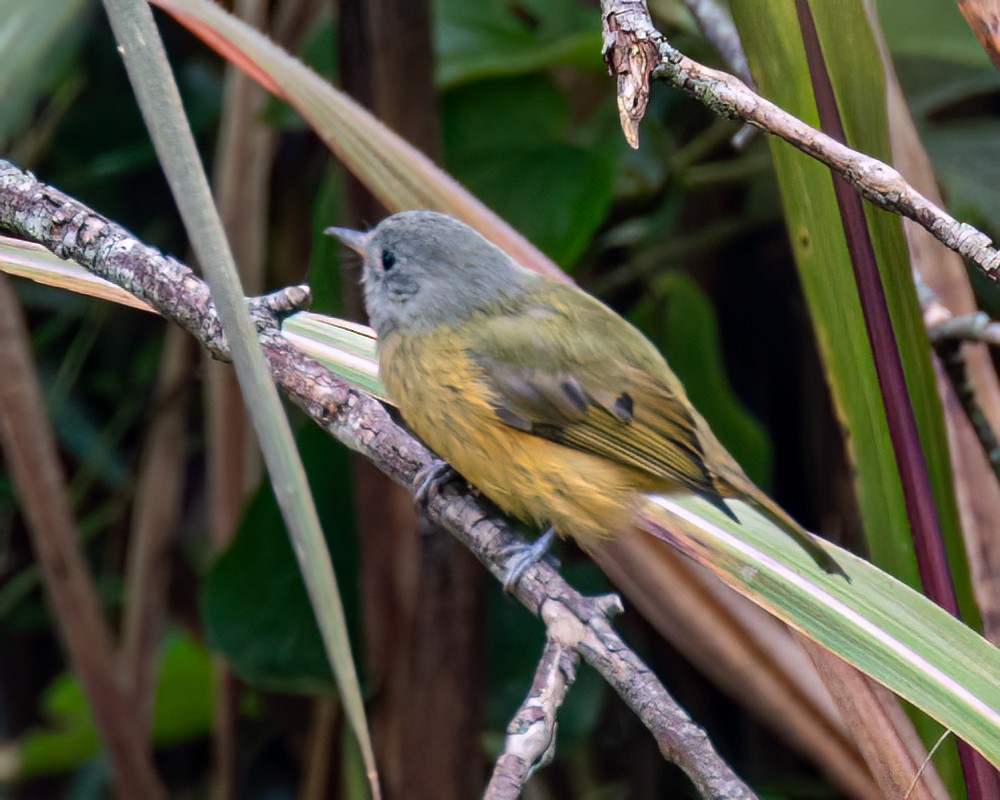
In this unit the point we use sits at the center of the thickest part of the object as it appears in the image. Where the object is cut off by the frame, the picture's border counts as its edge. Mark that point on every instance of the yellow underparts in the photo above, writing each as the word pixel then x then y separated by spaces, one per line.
pixel 438 392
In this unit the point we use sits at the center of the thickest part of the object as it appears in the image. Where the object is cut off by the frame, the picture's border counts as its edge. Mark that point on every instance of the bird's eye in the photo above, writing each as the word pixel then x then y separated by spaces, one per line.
pixel 388 260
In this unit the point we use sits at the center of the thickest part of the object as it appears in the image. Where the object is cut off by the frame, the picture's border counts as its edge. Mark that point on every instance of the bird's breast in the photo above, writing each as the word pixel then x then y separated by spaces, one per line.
pixel 444 399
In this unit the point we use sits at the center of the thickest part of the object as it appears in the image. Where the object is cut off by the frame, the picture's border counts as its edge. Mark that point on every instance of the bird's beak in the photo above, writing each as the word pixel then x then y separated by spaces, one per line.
pixel 356 240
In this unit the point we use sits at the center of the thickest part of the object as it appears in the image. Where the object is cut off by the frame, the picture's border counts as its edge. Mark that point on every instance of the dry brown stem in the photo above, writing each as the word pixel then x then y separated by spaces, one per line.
pixel 33 460
pixel 155 519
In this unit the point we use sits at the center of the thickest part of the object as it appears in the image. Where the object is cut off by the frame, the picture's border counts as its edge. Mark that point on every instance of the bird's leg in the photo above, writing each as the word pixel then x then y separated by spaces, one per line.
pixel 437 473
pixel 526 555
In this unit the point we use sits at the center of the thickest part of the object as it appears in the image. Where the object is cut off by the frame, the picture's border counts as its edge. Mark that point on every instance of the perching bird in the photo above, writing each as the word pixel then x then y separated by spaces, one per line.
pixel 543 398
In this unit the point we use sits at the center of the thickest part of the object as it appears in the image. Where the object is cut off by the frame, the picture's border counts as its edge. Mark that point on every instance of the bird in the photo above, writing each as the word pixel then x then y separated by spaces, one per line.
pixel 542 397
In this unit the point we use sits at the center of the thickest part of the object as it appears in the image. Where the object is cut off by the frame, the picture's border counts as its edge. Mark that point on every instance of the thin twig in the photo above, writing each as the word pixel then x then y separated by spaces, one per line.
pixel 950 351
pixel 974 327
pixel 636 50
pixel 947 332
pixel 531 734
pixel 51 218
pixel 155 518
pixel 421 592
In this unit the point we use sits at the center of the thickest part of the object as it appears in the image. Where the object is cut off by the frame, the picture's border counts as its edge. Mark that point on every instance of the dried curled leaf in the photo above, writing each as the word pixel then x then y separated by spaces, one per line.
pixel 631 57
pixel 983 17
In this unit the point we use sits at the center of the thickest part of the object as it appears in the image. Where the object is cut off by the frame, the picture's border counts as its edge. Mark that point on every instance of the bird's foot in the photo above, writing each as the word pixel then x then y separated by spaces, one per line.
pixel 526 555
pixel 435 475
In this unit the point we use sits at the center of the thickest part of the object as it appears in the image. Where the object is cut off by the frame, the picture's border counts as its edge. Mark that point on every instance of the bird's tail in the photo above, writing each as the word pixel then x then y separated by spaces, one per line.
pixel 758 510
pixel 735 488
pixel 809 541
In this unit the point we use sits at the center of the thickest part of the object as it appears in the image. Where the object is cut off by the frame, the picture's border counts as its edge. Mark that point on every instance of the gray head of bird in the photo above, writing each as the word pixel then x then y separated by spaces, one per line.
pixel 423 269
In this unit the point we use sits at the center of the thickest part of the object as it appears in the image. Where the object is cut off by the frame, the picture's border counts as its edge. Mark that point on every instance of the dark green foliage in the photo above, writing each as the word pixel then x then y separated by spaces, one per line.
pixel 534 173
pixel 529 125
pixel 254 603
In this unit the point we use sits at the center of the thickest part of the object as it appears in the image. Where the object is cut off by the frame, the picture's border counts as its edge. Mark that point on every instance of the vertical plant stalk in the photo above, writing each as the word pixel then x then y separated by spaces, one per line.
pixel 321 743
pixel 155 518
pixel 943 276
pixel 241 179
pixel 420 589
pixel 884 733
pixel 159 100
pixel 241 186
pixel 33 459
pixel 932 562
pixel 910 461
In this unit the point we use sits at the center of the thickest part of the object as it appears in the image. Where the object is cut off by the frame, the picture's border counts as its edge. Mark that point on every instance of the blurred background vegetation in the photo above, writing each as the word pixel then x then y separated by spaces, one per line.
pixel 684 235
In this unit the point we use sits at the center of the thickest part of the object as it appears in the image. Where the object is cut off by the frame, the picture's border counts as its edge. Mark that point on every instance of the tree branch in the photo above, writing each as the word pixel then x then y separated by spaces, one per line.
pixel 45 215
pixel 635 50
pixel 531 734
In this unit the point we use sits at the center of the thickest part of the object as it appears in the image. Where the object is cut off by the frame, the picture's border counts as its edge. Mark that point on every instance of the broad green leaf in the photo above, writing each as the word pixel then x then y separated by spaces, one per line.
pixel 352 343
pixel 816 233
pixel 493 38
pixel 872 621
pixel 332 341
pixel 886 629
pixel 32 261
pixel 880 625
pixel 770 33
pixel 552 189
pixel 858 84
pixel 182 712
pixel 472 116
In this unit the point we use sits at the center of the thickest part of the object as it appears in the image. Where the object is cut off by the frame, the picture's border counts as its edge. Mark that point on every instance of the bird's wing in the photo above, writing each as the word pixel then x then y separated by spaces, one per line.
pixel 585 388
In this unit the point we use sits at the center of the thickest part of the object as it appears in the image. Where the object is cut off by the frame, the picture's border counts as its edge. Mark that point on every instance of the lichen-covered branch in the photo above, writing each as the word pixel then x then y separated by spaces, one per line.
pixel 531 734
pixel 32 210
pixel 630 42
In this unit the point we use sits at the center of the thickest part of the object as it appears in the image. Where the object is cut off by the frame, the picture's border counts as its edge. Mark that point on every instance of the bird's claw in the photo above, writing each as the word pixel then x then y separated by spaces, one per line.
pixel 524 556
pixel 435 474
